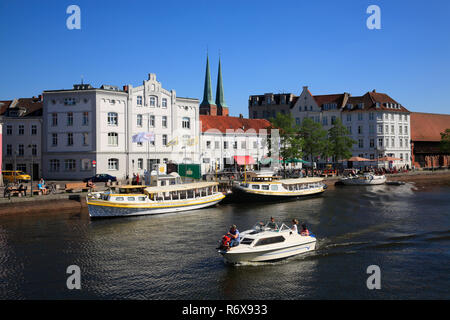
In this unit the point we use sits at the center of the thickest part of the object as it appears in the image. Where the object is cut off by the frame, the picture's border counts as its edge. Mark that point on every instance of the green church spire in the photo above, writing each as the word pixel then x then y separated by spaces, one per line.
pixel 220 98
pixel 207 93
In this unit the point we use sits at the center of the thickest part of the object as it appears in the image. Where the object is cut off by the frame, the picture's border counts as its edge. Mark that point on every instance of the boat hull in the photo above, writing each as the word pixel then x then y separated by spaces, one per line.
pixel 363 182
pixel 241 195
pixel 235 257
pixel 97 209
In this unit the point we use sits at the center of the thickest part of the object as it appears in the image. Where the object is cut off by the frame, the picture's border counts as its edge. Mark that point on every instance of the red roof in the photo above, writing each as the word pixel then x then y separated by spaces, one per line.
pixel 428 126
pixel 224 123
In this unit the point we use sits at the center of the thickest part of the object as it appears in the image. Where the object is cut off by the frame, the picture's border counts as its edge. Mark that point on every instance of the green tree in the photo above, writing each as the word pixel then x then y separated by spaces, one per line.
pixel 341 144
pixel 290 142
pixel 314 138
pixel 445 141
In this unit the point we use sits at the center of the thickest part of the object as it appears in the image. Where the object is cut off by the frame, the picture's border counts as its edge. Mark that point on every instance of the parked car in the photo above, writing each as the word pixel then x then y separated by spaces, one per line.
pixel 103 177
pixel 15 175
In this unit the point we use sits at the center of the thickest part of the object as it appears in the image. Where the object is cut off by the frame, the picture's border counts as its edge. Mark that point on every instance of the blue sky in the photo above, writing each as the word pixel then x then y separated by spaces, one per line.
pixel 266 46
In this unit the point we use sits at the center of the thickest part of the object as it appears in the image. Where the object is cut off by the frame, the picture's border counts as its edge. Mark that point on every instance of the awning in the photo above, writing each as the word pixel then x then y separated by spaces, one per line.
pixel 243 160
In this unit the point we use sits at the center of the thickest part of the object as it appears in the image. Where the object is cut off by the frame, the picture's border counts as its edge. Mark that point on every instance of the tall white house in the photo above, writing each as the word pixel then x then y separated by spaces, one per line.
pixel 379 124
pixel 90 130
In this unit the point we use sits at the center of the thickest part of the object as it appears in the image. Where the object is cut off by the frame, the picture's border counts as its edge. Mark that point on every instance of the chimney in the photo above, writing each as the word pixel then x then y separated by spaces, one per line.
pixel 374 90
pixel 241 116
pixel 125 88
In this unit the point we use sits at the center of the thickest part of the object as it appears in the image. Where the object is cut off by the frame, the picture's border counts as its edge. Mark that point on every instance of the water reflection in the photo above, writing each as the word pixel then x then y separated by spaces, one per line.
pixel 173 256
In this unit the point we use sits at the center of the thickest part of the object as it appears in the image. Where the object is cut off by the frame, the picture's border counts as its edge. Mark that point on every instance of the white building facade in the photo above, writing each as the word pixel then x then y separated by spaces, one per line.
pixel 223 138
pixel 379 125
pixel 90 130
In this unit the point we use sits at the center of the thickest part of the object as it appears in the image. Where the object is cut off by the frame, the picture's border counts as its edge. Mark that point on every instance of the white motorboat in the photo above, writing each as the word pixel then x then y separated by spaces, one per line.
pixel 142 200
pixel 263 243
pixel 364 180
pixel 266 187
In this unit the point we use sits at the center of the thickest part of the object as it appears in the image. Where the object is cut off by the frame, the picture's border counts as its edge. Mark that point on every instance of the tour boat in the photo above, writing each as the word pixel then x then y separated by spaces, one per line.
pixel 143 200
pixel 265 187
pixel 364 180
pixel 264 244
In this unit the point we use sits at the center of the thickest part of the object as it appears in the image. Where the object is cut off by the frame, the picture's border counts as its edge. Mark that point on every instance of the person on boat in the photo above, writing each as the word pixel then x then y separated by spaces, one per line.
pixel 272 224
pixel 294 225
pixel 90 184
pixel 305 231
pixel 234 235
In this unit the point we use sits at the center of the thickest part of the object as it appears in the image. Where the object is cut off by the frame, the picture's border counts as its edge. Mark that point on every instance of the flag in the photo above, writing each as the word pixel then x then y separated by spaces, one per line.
pixel 192 141
pixel 172 142
pixel 143 136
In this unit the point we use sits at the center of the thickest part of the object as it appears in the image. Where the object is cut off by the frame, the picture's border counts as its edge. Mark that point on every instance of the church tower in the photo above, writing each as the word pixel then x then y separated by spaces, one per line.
pixel 207 106
pixel 222 109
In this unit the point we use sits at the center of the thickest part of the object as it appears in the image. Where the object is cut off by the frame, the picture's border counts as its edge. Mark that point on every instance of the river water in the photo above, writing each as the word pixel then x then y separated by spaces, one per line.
pixel 405 230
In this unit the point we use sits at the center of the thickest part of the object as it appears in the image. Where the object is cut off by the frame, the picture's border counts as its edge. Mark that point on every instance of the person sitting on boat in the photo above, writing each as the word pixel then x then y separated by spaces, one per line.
pixel 305 231
pixel 90 184
pixel 294 225
pixel 234 235
pixel 272 224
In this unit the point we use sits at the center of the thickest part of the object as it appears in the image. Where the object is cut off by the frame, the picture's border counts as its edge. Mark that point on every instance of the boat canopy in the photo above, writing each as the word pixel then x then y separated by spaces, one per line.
pixel 180 187
pixel 301 180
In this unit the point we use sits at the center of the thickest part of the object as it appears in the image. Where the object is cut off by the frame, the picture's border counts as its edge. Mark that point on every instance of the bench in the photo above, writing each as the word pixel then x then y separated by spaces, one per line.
pixel 78 186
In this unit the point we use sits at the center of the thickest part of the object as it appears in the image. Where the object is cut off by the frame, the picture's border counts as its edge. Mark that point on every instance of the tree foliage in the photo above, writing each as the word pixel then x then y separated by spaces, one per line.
pixel 340 142
pixel 314 138
pixel 291 143
pixel 445 141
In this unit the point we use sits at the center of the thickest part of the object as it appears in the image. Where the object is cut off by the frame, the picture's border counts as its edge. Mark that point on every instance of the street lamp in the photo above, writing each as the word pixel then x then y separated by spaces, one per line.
pixel 31 180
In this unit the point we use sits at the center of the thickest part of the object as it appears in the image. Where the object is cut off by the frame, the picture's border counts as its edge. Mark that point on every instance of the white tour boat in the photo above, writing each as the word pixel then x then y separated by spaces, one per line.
pixel 263 243
pixel 142 200
pixel 365 179
pixel 265 187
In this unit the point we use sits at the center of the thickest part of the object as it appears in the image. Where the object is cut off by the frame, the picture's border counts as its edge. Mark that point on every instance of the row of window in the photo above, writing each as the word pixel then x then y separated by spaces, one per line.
pixel 234 143
pixel 69 119
pixel 392 116
pixel 21 150
pixel 152 102
pixel 69 139
pixel 21 130
pixel 113 120
pixel 85 164
pixel 403 142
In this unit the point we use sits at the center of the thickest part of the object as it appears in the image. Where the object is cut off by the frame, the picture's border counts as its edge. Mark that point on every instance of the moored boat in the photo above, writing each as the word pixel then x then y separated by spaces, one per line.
pixel 265 187
pixel 264 244
pixel 364 180
pixel 142 200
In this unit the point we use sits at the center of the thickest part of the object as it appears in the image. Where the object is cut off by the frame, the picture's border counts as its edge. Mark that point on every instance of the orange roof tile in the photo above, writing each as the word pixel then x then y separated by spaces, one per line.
pixel 428 126
pixel 224 123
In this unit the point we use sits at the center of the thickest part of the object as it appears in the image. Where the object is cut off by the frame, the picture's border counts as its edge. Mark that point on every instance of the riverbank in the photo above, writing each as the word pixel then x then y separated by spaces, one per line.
pixel 77 201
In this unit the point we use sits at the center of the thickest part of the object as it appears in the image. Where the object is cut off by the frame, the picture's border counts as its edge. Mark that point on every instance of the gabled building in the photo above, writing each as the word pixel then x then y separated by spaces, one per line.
pixel 379 124
pixel 22 135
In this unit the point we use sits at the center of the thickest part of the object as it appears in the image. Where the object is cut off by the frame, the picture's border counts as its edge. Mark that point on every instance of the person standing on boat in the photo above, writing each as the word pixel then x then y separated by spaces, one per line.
pixel 294 225
pixel 305 231
pixel 234 235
